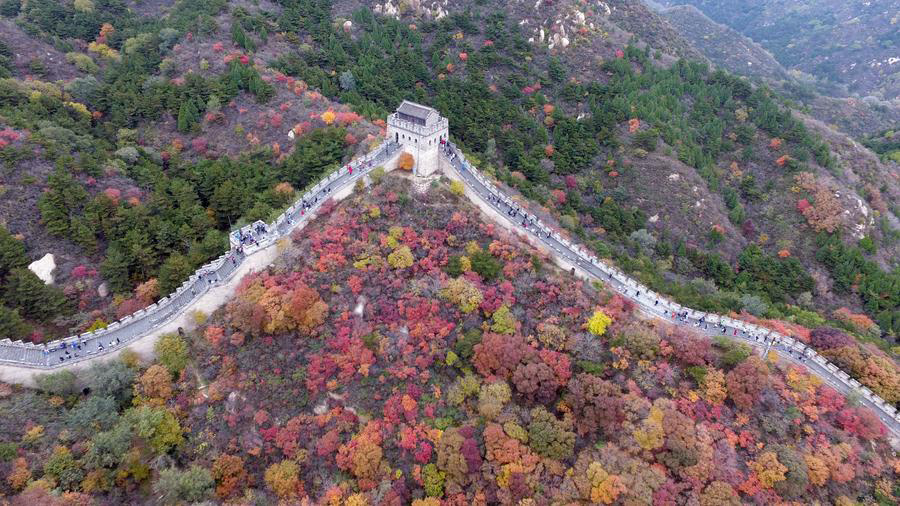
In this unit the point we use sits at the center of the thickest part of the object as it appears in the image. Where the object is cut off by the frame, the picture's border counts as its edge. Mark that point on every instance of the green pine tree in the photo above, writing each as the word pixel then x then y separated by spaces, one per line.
pixel 12 252
pixel 11 324
pixel 25 291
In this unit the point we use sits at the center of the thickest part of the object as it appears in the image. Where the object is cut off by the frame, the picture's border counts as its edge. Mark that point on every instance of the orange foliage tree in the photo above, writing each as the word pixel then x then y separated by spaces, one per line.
pixel 229 473
pixel 362 455
pixel 406 161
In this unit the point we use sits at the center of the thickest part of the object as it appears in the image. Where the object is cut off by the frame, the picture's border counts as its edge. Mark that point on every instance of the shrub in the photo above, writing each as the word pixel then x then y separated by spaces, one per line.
pixel 10 8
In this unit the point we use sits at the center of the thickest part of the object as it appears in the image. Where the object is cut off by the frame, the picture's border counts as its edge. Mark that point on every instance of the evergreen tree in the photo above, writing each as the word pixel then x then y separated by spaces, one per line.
pixel 12 252
pixel 25 291
pixel 188 116
pixel 173 272
pixel 11 324
pixel 115 269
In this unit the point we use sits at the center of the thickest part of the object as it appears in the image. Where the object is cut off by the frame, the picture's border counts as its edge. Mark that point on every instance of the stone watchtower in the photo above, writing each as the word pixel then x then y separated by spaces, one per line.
pixel 419 130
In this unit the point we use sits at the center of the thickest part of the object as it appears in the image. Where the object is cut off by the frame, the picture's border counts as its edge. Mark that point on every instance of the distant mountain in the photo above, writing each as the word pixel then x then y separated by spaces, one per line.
pixel 852 44
pixel 723 45
pixel 729 49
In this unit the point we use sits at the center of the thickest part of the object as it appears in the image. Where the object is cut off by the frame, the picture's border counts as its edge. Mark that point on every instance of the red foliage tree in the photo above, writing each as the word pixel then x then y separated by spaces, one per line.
pixel 596 403
pixel 746 381
pixel 535 381
pixel 499 354
pixel 826 338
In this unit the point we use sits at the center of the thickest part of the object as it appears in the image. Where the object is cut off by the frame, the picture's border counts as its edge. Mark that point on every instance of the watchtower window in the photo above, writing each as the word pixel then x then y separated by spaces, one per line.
pixel 412 119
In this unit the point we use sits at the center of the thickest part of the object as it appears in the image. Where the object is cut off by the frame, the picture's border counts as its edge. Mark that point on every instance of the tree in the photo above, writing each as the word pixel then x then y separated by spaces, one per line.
pixel 155 386
pixel 108 448
pixel 499 355
pixel 12 253
pixel 12 326
pixel 173 272
pixel 115 268
pixel 713 385
pixel 188 116
pixel 63 468
pixel 596 404
pixel 19 475
pixel 598 323
pixel 796 478
pixel 503 321
pixel 113 379
pixel 362 455
pixel 172 352
pixel 24 290
pixel 463 294
pixel 93 414
pixel 535 381
pixel 746 381
pixel 174 487
pixel 768 469
pixel 485 265
pixel 406 161
pixel 719 493
pixel 434 480
pixel 230 475
pixel 401 258
pixel 157 426
pixel 548 436
pixel 62 383
pixel 492 398
pixel 458 456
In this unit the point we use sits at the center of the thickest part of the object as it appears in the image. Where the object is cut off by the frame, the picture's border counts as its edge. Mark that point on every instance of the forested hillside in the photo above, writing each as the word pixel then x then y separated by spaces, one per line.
pixel 701 184
pixel 403 351
pixel 132 168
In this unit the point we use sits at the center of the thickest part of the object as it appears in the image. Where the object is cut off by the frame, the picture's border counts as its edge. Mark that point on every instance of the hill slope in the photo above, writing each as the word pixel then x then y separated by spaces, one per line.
pixel 402 351
pixel 851 44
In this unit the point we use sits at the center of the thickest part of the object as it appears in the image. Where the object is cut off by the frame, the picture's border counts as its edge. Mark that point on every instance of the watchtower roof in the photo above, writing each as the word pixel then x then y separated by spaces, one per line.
pixel 415 110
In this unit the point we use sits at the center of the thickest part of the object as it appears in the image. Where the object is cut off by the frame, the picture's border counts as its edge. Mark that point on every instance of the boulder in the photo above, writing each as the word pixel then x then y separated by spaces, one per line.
pixel 103 289
pixel 43 268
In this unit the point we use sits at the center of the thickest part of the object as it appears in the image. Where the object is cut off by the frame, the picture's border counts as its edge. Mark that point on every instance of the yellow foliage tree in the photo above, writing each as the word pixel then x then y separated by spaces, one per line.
pixel 714 391
pixel 768 469
pixel 283 478
pixel 328 117
pixel 154 387
pixel 605 487
pixel 598 323
pixel 463 294
pixel 457 188
pixel 650 435
pixel 816 470
pixel 401 258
